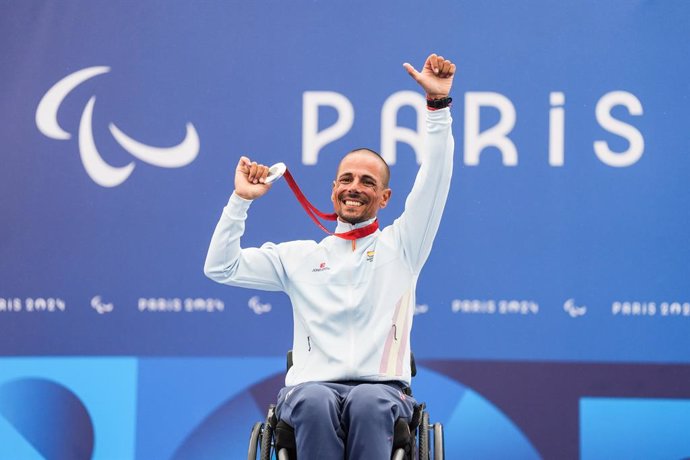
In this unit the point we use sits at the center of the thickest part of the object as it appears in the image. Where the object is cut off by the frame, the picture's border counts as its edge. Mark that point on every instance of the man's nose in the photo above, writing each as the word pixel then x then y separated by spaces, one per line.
pixel 354 187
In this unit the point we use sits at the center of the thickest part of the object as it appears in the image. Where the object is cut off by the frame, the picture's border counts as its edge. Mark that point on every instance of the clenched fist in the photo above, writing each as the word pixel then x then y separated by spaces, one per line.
pixel 250 178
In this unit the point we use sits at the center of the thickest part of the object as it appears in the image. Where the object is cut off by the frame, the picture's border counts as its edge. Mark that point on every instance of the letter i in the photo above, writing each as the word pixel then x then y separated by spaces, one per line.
pixel 556 129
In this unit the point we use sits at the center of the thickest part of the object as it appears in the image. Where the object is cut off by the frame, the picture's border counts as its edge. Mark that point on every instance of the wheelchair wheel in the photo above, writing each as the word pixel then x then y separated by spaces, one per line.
pixel 266 442
pixel 424 437
pixel 254 441
pixel 438 441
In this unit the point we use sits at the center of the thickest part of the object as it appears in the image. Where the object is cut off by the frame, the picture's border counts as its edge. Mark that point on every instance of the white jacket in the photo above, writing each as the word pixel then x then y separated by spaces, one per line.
pixel 352 309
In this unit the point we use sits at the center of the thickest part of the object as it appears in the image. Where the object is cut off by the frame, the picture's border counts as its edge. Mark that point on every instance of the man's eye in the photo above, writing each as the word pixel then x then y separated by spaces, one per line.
pixel 344 180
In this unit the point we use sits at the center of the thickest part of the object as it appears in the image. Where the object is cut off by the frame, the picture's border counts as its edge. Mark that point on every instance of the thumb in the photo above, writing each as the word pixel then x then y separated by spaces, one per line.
pixel 412 71
pixel 243 163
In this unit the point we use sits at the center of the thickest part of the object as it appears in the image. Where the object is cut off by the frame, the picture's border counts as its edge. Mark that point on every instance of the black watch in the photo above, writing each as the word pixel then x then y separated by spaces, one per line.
pixel 439 103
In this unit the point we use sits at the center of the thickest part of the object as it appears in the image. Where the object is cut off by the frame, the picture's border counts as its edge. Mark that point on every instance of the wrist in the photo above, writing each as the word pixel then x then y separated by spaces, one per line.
pixel 432 96
pixel 243 195
pixel 436 103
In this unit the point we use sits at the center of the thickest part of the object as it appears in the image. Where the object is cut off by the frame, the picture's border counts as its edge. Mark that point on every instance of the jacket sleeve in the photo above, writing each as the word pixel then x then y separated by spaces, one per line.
pixel 226 261
pixel 416 228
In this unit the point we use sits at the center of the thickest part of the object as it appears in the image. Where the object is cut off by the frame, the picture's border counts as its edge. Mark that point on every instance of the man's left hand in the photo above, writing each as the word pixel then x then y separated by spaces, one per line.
pixel 436 77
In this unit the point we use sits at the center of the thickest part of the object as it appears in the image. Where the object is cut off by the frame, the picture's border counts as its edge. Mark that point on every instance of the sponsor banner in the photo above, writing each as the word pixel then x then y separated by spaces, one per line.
pixel 564 235
pixel 556 296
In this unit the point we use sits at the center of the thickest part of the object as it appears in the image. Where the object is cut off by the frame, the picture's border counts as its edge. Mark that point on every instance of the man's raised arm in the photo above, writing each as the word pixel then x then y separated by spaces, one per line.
pixel 226 261
pixel 417 226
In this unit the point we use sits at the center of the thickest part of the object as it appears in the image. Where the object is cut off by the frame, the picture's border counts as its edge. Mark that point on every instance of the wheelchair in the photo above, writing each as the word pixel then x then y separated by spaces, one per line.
pixel 416 439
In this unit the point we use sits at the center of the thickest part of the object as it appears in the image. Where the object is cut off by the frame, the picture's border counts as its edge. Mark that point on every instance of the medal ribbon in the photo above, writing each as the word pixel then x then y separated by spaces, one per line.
pixel 313 213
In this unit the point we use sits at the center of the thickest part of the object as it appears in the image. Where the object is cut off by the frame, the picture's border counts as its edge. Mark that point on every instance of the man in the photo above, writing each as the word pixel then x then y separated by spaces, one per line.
pixel 353 299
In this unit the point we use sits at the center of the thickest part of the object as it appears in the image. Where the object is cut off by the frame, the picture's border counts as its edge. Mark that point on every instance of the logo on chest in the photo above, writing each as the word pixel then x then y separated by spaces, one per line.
pixel 370 256
pixel 322 267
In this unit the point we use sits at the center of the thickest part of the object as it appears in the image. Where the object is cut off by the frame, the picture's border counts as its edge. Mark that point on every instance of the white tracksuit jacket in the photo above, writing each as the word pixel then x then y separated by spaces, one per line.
pixel 352 310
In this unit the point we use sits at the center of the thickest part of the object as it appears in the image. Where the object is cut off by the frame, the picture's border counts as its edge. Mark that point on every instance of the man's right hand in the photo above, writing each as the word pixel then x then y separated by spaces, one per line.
pixel 249 179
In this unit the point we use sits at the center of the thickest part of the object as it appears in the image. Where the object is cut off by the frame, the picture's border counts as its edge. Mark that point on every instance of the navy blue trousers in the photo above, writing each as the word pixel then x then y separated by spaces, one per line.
pixel 349 420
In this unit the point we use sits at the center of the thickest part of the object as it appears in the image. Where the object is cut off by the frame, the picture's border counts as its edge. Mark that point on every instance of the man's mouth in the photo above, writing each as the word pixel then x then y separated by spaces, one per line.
pixel 353 203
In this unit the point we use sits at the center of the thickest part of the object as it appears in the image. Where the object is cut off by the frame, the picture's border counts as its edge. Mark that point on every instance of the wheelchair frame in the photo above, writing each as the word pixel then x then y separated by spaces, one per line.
pixel 411 440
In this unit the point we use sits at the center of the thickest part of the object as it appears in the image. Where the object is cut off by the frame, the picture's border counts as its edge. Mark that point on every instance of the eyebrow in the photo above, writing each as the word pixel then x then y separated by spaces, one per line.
pixel 364 176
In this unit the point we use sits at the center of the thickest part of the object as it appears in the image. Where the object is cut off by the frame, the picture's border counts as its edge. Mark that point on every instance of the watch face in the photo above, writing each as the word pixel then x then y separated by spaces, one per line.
pixel 275 172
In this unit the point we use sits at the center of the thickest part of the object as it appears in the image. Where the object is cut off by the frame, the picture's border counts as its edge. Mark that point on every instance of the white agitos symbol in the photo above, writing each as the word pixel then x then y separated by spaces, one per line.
pixel 100 306
pixel 96 167
pixel 258 307
pixel 573 310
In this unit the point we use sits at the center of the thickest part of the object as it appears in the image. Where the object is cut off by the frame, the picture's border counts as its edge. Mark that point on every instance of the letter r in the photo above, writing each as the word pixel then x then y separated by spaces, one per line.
pixel 496 136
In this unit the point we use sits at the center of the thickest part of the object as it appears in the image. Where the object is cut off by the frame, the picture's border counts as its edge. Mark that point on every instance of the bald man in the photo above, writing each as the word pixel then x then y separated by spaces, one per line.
pixel 352 293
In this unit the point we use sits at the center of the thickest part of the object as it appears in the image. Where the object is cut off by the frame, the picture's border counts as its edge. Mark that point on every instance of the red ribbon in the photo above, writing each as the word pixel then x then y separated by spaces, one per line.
pixel 313 212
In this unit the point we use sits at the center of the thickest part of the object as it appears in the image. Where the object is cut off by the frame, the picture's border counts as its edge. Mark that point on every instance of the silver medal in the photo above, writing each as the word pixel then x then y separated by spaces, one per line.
pixel 275 172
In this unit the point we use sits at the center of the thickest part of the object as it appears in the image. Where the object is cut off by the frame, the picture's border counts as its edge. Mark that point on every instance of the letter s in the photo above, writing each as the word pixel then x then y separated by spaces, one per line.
pixel 615 126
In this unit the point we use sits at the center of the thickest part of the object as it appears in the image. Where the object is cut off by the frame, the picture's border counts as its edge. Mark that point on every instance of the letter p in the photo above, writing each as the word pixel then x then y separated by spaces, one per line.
pixel 314 140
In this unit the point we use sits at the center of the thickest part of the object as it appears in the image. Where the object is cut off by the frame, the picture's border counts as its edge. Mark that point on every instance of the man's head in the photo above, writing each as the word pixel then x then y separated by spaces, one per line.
pixel 360 187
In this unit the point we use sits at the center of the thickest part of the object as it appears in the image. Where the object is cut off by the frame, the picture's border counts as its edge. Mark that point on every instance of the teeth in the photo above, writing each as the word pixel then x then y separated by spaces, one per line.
pixel 352 203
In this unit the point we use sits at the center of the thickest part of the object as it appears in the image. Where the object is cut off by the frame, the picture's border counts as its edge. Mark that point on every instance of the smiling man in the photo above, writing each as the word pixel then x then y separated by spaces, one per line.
pixel 353 298
pixel 356 204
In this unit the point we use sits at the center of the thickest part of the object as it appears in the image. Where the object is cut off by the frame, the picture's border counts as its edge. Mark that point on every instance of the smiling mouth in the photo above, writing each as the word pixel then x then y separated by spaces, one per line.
pixel 353 203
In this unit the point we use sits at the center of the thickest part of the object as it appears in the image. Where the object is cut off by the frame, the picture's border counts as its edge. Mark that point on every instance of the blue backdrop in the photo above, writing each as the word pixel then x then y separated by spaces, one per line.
pixel 553 312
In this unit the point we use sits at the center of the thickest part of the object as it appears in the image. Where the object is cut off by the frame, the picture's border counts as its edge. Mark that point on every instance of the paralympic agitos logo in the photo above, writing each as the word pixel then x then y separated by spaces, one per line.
pixel 96 167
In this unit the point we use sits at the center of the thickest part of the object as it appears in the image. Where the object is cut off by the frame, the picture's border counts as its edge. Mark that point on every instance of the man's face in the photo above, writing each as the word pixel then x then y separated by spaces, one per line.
pixel 360 188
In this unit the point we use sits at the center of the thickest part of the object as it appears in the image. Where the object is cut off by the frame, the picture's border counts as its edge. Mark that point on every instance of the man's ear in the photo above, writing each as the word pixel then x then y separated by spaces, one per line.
pixel 386 196
pixel 333 193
